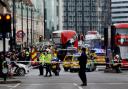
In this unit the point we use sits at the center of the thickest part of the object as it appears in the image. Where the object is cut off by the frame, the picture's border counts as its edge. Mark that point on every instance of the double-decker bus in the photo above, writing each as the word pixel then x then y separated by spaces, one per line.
pixel 93 38
pixel 65 41
pixel 119 39
pixel 65 38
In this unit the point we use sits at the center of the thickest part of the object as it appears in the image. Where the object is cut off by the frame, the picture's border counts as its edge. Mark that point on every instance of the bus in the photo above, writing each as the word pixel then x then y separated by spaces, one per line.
pixel 65 42
pixel 93 39
pixel 119 38
pixel 65 38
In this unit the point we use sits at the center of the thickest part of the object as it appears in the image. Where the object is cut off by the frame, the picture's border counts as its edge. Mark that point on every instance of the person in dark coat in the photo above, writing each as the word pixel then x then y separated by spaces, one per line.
pixel 82 71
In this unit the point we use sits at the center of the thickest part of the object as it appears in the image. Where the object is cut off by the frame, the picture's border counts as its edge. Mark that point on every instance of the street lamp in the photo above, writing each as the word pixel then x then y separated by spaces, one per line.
pixel 14 24
pixel 22 22
pixel 27 26
pixel 90 15
pixel 31 25
pixel 45 19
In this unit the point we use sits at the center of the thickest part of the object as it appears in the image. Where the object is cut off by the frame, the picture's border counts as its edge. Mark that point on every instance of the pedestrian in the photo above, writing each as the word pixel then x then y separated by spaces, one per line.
pixel 116 64
pixel 1 61
pixel 82 71
pixel 48 59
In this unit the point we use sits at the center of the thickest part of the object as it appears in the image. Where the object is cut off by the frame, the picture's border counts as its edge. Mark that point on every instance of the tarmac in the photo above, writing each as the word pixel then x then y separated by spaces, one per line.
pixel 9 81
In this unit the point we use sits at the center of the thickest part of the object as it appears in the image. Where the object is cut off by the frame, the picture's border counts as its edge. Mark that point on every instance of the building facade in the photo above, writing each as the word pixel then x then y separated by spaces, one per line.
pixel 53 12
pixel 119 11
pixel 29 19
pixel 85 15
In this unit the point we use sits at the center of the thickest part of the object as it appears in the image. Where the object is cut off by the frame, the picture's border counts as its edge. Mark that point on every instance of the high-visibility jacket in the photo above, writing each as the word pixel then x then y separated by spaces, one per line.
pixel 27 53
pixel 42 58
pixel 116 60
pixel 55 54
pixel 48 58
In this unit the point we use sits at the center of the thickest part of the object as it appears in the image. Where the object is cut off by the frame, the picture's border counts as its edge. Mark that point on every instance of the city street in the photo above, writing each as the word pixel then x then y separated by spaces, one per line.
pixel 67 80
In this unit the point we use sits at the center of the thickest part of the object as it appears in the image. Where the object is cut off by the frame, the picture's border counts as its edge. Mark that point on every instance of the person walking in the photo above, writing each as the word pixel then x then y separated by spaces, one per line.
pixel 82 71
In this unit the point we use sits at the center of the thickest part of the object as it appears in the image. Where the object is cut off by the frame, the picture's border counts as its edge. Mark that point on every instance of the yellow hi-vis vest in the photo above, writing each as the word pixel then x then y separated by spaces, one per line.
pixel 55 54
pixel 27 53
pixel 48 58
pixel 42 58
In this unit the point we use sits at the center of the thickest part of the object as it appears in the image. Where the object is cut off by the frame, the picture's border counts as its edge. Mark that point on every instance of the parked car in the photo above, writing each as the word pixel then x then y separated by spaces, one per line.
pixel 19 69
pixel 99 56
pixel 90 66
pixel 71 63
pixel 67 62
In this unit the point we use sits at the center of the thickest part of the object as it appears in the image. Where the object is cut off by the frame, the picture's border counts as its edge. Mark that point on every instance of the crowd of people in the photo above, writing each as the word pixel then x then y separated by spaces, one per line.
pixel 44 56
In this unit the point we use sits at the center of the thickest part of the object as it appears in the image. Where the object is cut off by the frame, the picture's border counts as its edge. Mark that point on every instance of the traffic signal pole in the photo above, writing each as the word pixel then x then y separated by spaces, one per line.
pixel 4 43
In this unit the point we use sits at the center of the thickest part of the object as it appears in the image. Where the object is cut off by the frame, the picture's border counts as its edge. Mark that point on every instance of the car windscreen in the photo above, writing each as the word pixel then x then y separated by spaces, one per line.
pixel 100 54
pixel 68 58
pixel 75 58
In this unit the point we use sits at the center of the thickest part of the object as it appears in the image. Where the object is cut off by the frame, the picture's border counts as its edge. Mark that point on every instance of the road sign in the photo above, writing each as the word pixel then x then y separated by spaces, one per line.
pixel 19 34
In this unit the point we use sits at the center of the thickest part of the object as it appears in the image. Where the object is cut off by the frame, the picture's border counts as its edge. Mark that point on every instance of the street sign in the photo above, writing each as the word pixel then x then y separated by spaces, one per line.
pixel 19 41
pixel 19 34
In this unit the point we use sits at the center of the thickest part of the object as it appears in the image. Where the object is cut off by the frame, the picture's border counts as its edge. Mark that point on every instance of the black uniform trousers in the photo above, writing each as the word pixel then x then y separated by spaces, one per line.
pixel 48 69
pixel 82 75
pixel 41 69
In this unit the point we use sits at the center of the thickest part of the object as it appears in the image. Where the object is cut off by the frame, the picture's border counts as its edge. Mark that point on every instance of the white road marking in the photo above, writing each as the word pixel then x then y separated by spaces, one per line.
pixel 108 83
pixel 40 84
pixel 15 86
pixel 10 86
pixel 79 87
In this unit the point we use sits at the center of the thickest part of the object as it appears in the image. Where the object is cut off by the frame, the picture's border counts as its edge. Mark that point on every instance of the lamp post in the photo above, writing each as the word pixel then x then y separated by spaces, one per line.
pixel 27 26
pixel 31 25
pixel 90 15
pixel 14 24
pixel 45 23
pixel 22 22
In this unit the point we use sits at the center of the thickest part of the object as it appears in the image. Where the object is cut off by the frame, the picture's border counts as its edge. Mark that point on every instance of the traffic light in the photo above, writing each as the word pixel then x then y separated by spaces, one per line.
pixel 7 23
pixel 1 23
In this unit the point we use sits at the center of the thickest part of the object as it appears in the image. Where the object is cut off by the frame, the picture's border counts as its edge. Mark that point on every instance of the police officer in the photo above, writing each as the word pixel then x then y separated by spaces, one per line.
pixel 41 61
pixel 116 64
pixel 82 71
pixel 27 56
pixel 48 59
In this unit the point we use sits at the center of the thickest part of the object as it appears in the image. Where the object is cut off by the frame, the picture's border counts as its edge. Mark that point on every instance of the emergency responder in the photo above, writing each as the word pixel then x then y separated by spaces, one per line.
pixel 48 59
pixel 82 71
pixel 27 56
pixel 116 64
pixel 41 63
pixel 1 61
pixel 5 70
pixel 117 59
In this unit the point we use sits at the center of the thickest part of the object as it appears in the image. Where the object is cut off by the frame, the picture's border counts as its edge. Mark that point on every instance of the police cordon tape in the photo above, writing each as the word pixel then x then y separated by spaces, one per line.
pixel 63 62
